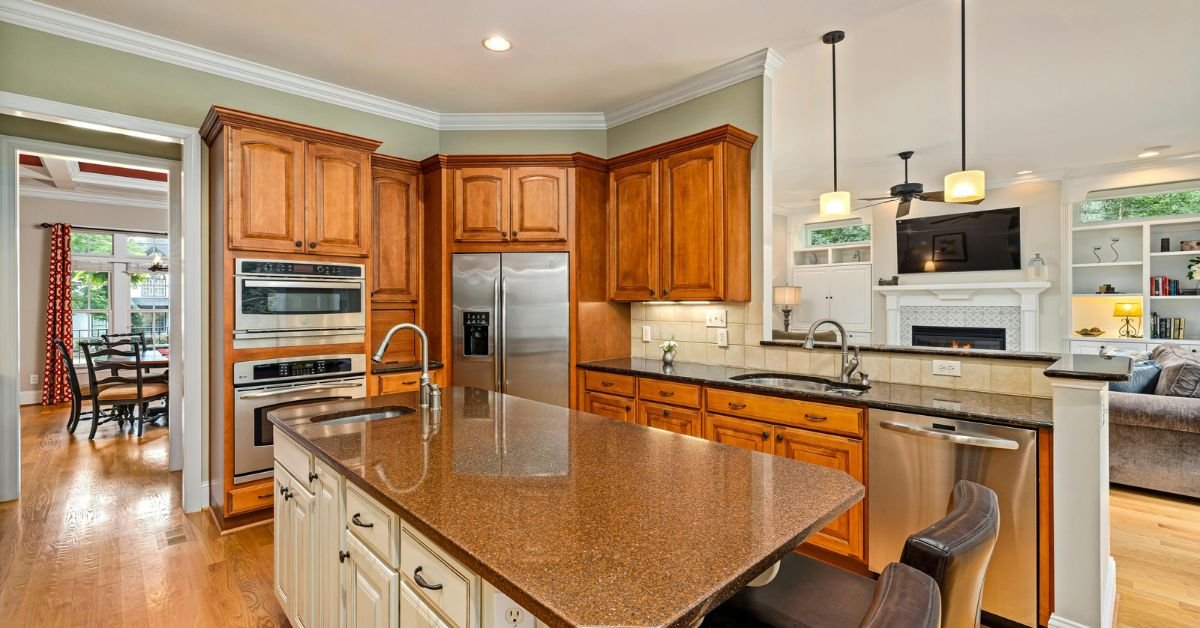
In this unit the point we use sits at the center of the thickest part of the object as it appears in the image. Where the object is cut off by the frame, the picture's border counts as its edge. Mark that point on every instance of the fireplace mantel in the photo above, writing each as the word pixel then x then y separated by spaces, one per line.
pixel 1023 294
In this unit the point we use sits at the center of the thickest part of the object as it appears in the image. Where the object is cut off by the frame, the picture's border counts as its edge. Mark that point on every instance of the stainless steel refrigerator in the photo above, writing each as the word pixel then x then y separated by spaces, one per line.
pixel 511 324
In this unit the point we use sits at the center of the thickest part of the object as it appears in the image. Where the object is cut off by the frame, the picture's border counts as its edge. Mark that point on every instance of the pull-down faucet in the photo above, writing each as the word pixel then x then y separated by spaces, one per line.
pixel 431 395
pixel 849 365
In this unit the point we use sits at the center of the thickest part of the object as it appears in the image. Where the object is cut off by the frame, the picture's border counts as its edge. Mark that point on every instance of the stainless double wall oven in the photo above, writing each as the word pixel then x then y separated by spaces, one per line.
pixel 288 303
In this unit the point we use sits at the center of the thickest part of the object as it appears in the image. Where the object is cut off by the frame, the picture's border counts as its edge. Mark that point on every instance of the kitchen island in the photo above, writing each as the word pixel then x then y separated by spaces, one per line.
pixel 578 519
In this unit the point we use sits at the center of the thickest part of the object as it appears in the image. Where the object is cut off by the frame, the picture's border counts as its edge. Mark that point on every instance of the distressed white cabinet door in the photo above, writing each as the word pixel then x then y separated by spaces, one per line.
pixel 370 589
pixel 327 543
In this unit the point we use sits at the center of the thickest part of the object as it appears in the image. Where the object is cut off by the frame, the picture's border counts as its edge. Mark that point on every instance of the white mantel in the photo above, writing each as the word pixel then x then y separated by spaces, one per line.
pixel 1023 294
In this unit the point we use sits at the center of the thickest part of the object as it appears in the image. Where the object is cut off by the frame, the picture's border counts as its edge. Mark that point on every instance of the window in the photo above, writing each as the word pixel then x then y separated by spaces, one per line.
pixel 149 307
pixel 91 243
pixel 837 232
pixel 1141 203
pixel 91 306
pixel 144 246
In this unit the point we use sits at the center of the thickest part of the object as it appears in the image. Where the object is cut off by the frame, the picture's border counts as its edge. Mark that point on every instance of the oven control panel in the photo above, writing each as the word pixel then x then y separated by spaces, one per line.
pixel 266 371
pixel 297 269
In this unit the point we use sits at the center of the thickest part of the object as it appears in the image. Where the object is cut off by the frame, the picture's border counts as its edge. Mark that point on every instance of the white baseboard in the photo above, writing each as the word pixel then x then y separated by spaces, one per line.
pixel 31 397
pixel 1108 601
pixel 1057 621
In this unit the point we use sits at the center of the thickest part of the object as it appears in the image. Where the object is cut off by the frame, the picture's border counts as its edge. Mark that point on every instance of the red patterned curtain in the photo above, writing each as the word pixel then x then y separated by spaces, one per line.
pixel 56 388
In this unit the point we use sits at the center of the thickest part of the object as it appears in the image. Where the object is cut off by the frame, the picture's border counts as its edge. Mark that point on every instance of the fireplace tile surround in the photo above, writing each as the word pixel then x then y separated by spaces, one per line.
pixel 1007 318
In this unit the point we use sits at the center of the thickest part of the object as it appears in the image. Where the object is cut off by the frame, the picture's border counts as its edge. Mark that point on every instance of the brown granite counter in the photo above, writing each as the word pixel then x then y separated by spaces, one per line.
pixel 1033 412
pixel 1104 368
pixel 580 519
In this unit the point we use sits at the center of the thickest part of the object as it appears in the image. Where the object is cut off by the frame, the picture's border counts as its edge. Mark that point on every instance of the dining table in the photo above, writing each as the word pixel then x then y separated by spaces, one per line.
pixel 150 359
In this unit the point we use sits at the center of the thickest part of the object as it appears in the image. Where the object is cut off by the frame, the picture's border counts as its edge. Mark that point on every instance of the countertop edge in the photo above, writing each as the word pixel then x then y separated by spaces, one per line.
pixel 1061 371
pixel 984 354
pixel 402 367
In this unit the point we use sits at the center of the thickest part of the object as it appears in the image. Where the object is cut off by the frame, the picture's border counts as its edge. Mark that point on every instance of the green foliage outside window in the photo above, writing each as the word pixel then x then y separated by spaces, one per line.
pixel 839 235
pixel 144 246
pixel 84 243
pixel 89 290
pixel 1144 206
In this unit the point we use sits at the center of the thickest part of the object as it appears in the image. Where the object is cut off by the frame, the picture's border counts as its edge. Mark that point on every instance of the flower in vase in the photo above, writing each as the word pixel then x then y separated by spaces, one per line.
pixel 669 346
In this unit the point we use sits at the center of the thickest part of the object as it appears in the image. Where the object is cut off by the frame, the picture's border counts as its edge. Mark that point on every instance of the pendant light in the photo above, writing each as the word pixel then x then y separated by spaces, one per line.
pixel 837 202
pixel 964 186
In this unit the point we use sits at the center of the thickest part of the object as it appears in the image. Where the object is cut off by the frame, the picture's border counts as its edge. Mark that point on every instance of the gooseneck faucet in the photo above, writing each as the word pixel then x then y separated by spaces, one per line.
pixel 849 365
pixel 431 395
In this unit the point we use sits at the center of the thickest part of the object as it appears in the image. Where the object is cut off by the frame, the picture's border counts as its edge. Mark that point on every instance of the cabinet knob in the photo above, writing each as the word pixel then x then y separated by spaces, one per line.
pixel 299 243
pixel 343 555
pixel 766 435
pixel 666 412
pixel 312 476
pixel 628 408
pixel 312 245
pixel 779 438
pixel 286 494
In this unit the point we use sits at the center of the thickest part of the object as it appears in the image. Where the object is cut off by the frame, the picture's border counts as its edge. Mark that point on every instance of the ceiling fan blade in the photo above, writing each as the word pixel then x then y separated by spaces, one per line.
pixel 877 198
pixel 935 197
pixel 878 202
pixel 902 208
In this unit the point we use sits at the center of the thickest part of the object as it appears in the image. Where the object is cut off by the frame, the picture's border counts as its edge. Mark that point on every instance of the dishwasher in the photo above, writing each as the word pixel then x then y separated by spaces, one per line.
pixel 914 462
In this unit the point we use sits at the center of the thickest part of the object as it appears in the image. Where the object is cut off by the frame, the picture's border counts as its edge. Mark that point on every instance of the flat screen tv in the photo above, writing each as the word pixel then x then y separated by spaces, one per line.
pixel 983 240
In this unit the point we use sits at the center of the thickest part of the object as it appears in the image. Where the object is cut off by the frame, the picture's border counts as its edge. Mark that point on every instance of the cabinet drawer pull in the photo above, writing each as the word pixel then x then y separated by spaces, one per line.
pixel 265 496
pixel 343 555
pixel 359 522
pixel 666 412
pixel 312 476
pixel 421 582
pixel 766 435
pixel 666 393
pixel 606 383
pixel 409 382
pixel 815 418
pixel 287 494
pixel 736 406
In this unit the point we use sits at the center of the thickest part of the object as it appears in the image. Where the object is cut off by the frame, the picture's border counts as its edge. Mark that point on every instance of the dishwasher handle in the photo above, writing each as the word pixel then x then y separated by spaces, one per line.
pixel 960 439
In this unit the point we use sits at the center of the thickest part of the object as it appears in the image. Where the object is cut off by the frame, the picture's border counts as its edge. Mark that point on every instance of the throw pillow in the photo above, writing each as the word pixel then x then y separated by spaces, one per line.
pixel 1180 375
pixel 1143 379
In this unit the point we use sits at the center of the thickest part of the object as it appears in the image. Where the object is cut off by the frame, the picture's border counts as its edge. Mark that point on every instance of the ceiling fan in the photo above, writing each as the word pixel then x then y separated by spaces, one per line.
pixel 907 192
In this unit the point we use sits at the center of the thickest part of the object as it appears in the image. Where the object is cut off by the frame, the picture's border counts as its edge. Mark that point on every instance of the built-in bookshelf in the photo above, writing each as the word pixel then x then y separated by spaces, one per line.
pixel 1127 265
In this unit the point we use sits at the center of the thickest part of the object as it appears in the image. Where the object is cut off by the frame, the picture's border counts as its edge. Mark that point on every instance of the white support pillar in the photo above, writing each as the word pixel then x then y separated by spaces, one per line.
pixel 1030 337
pixel 1084 571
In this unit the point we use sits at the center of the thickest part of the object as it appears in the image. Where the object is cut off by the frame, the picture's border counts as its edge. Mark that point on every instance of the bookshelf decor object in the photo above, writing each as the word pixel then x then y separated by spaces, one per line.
pixel 1128 310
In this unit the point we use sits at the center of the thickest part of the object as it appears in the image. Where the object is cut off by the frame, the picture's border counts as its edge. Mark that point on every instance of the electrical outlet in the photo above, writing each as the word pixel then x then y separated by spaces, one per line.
pixel 33 379
pixel 722 337
pixel 953 368
pixel 646 333
pixel 514 616
pixel 714 318
pixel 507 613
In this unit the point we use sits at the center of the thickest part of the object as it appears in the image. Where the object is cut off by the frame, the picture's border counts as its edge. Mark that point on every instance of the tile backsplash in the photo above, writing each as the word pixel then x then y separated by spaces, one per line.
pixel 698 343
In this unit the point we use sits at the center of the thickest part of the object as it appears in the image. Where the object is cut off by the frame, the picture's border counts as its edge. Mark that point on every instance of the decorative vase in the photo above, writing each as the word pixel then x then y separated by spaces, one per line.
pixel 1037 270
pixel 668 357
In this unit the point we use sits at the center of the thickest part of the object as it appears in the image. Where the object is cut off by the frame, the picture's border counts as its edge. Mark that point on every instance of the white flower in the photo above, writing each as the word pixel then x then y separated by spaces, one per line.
pixel 669 346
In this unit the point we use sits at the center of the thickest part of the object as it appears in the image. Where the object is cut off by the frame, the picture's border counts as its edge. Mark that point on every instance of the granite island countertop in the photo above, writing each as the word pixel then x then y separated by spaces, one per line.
pixel 998 409
pixel 578 518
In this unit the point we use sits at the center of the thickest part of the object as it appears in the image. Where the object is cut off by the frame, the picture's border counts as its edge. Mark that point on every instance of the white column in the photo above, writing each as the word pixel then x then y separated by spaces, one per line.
pixel 1084 571
pixel 1030 340
pixel 893 319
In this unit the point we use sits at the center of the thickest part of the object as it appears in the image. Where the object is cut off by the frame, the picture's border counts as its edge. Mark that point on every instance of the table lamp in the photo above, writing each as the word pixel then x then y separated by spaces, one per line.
pixel 1128 310
pixel 786 297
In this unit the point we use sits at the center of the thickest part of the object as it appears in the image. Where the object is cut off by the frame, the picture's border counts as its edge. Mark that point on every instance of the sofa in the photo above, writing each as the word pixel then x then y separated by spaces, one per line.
pixel 1154 424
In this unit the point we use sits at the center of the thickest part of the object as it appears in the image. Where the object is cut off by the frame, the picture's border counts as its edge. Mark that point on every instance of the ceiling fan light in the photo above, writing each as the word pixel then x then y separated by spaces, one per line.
pixel 835 204
pixel 965 186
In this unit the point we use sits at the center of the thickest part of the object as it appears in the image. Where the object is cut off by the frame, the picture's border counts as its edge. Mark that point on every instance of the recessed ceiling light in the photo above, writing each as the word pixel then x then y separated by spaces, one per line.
pixel 1021 172
pixel 1152 151
pixel 496 43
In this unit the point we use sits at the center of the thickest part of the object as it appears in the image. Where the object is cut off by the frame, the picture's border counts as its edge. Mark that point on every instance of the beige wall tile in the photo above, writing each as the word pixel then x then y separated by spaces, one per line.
pixel 737 334
pixel 716 355
pixel 754 312
pixel 755 357
pixel 798 361
pixel 877 366
pixel 976 375
pixel 826 364
pixel 754 333
pixel 692 352
pixel 697 332
pixel 1010 379
pixel 697 313
pixel 1039 384
pixel 736 313
pixel 735 355
pixel 775 359
pixel 906 369
pixel 638 311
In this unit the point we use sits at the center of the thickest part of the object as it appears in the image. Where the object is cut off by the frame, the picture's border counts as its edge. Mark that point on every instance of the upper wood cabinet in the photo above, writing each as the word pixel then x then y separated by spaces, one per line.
pixel 527 204
pixel 396 228
pixel 679 220
pixel 289 187
pixel 265 191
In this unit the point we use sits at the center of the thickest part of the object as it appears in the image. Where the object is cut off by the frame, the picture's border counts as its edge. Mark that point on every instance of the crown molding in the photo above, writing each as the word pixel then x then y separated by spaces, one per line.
pixel 763 62
pixel 522 121
pixel 77 26
pixel 89 196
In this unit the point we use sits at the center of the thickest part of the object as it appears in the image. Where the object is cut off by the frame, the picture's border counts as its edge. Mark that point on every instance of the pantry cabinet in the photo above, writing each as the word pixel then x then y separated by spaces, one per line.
pixel 396 233
pixel 841 292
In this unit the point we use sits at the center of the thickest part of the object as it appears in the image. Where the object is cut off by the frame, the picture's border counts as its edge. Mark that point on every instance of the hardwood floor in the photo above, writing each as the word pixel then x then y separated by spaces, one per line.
pixel 1156 543
pixel 98 539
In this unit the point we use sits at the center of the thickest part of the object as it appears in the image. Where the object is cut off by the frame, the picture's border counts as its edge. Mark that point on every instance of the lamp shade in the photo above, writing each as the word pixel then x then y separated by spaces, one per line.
pixel 786 295
pixel 835 204
pixel 1132 309
pixel 965 186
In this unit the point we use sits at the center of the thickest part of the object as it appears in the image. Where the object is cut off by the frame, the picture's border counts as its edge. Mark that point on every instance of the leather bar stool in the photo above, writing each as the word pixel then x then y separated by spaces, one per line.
pixel 953 552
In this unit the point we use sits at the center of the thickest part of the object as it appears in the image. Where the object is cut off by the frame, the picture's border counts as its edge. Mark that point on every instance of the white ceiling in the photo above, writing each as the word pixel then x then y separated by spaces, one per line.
pixel 61 178
pixel 1052 86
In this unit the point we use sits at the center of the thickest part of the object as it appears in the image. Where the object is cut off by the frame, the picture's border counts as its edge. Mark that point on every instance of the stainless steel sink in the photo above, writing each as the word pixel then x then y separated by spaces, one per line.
pixel 372 414
pixel 801 383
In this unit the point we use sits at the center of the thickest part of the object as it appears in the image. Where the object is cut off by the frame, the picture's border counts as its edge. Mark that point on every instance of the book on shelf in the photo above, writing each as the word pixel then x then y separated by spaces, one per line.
pixel 1167 328
pixel 1162 286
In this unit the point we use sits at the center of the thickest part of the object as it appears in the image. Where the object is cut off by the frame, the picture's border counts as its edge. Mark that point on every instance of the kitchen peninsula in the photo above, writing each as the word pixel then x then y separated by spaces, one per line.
pixel 578 519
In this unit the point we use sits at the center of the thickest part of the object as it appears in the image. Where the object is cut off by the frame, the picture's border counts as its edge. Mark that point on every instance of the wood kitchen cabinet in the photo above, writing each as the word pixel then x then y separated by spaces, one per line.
pixel 845 534
pixel 539 204
pixel 744 433
pixel 407 381
pixel 527 204
pixel 337 212
pixel 265 191
pixel 672 419
pixel 679 220
pixel 481 203
pixel 396 229
pixel 611 406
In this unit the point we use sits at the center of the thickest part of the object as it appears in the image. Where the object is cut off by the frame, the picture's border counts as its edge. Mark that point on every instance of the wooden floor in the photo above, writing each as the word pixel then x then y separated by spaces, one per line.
pixel 98 539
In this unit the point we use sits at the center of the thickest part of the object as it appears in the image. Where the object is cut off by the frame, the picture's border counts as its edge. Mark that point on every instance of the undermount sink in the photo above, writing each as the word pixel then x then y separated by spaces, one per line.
pixel 372 414
pixel 800 383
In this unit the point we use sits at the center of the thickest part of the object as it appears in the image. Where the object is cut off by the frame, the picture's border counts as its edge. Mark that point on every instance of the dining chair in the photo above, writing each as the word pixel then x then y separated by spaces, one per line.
pixel 954 553
pixel 73 379
pixel 125 390
pixel 137 336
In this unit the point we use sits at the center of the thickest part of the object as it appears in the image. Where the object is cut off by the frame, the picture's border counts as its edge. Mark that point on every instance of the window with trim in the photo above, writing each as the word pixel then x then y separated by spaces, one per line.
pixel 1140 203
pixel 837 232
pixel 91 306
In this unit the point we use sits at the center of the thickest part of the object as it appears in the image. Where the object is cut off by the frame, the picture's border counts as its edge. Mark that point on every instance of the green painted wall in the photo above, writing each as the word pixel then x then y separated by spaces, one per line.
pixel 524 142
pixel 740 105
pixel 47 66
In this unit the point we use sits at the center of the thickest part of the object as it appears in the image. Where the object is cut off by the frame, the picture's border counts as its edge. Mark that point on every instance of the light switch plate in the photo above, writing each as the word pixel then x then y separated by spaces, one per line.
pixel 952 368
pixel 645 333
pixel 722 337
pixel 715 318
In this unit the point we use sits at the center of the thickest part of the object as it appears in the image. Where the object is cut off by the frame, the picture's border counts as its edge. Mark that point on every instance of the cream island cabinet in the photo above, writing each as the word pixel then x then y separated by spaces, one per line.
pixel 342 559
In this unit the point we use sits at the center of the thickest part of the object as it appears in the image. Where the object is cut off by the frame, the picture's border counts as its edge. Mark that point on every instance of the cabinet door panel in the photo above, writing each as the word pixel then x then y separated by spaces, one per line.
pixel 845 534
pixel 814 288
pixel 370 590
pixel 303 548
pixel 539 204
pixel 284 572
pixel 693 238
pixel 481 204
pixel 327 542
pixel 337 214
pixel 414 612
pixel 265 191
pixel 396 235
pixel 610 406
pixel 633 244
pixel 850 296
pixel 671 419
pixel 403 347
pixel 743 433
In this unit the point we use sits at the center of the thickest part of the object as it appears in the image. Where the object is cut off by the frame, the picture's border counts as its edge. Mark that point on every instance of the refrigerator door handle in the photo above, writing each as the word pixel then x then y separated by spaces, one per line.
pixel 503 334
pixel 498 335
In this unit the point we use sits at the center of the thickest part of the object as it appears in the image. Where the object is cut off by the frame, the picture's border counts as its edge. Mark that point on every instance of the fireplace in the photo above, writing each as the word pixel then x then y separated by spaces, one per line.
pixel 959 337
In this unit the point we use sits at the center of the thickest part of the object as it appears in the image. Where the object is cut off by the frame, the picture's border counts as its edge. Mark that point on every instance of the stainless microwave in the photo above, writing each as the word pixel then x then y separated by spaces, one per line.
pixel 284 302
